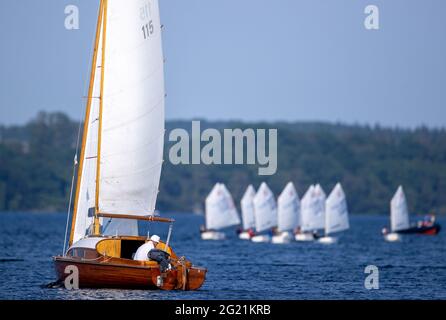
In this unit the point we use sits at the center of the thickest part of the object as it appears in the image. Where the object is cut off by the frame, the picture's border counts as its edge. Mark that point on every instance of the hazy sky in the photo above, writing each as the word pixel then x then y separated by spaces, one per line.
pixel 245 59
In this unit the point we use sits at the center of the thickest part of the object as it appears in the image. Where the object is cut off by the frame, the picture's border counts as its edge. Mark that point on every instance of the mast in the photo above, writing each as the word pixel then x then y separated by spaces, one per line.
pixel 101 104
pixel 87 113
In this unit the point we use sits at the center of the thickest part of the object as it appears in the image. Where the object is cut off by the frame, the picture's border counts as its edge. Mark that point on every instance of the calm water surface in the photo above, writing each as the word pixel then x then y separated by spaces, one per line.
pixel 412 269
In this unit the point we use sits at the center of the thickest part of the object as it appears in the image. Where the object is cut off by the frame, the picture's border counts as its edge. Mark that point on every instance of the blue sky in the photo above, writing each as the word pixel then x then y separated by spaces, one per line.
pixel 245 59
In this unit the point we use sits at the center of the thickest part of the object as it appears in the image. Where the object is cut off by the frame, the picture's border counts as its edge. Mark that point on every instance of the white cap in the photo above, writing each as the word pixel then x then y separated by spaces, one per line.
pixel 155 238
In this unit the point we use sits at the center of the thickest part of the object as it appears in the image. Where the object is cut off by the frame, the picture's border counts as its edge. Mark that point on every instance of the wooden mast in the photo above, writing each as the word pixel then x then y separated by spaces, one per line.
pixel 96 225
pixel 87 114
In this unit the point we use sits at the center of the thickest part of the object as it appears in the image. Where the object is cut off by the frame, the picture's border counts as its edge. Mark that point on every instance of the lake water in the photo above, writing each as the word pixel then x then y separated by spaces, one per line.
pixel 412 269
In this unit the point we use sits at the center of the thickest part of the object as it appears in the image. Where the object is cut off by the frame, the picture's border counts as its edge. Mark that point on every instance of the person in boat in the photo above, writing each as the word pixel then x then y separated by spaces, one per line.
pixel 273 232
pixel 250 231
pixel 298 230
pixel 429 220
pixel 316 235
pixel 143 251
pixel 149 251
pixel 203 229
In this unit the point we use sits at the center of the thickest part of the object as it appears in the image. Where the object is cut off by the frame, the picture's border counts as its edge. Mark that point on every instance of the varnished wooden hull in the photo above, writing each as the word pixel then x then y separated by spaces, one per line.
pixel 121 273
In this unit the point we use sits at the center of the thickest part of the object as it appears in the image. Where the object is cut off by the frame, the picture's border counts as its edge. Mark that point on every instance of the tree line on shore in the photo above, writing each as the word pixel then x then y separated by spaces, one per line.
pixel 36 163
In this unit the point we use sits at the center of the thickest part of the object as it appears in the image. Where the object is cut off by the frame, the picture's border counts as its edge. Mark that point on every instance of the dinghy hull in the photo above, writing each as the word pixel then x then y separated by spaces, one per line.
pixel 327 240
pixel 284 237
pixel 392 237
pixel 213 235
pixel 304 237
pixel 244 235
pixel 106 272
pixel 261 238
pixel 425 230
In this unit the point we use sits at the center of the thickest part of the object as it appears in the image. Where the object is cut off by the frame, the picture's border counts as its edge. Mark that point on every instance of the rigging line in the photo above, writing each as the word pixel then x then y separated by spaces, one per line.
pixel 69 205
pixel 75 162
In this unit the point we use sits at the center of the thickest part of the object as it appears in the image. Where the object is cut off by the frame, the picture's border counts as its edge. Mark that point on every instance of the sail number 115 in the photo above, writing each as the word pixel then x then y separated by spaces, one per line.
pixel 147 29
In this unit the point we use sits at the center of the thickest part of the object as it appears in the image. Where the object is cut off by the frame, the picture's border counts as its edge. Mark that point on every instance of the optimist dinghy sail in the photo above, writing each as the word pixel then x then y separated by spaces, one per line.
pixel 288 211
pixel 248 218
pixel 265 209
pixel 312 210
pixel 288 208
pixel 399 213
pixel 220 209
pixel 336 214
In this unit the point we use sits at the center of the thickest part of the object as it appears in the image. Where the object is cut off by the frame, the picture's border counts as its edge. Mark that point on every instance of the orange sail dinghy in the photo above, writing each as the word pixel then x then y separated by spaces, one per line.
pixel 121 157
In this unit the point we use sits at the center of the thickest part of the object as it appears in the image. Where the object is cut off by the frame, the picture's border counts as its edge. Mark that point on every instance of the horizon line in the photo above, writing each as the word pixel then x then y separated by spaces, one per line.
pixel 365 124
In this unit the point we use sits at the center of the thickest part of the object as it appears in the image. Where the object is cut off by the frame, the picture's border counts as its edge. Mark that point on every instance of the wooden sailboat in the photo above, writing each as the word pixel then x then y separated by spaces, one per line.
pixel 121 157
pixel 220 213
pixel 288 211
pixel 336 215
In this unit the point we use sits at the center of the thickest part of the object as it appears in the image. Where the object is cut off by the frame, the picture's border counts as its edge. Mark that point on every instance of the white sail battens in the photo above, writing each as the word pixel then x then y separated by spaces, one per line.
pixel 399 213
pixel 288 208
pixel 247 206
pixel 132 135
pixel 336 211
pixel 265 208
pixel 220 209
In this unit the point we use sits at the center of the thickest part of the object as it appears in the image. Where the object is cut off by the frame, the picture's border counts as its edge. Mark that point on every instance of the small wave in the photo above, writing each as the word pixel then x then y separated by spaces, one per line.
pixel 52 285
pixel 11 260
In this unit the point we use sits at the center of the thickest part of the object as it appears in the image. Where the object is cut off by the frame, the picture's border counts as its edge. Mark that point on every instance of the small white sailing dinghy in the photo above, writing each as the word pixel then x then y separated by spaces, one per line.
pixel 265 209
pixel 288 211
pixel 399 220
pixel 312 215
pixel 399 216
pixel 220 213
pixel 247 206
pixel 336 214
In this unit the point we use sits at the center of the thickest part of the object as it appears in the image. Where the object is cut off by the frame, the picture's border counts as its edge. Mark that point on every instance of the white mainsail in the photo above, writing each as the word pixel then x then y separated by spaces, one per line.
pixel 336 211
pixel 265 208
pixel 312 216
pixel 131 135
pixel 288 208
pixel 399 213
pixel 247 205
pixel 220 209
